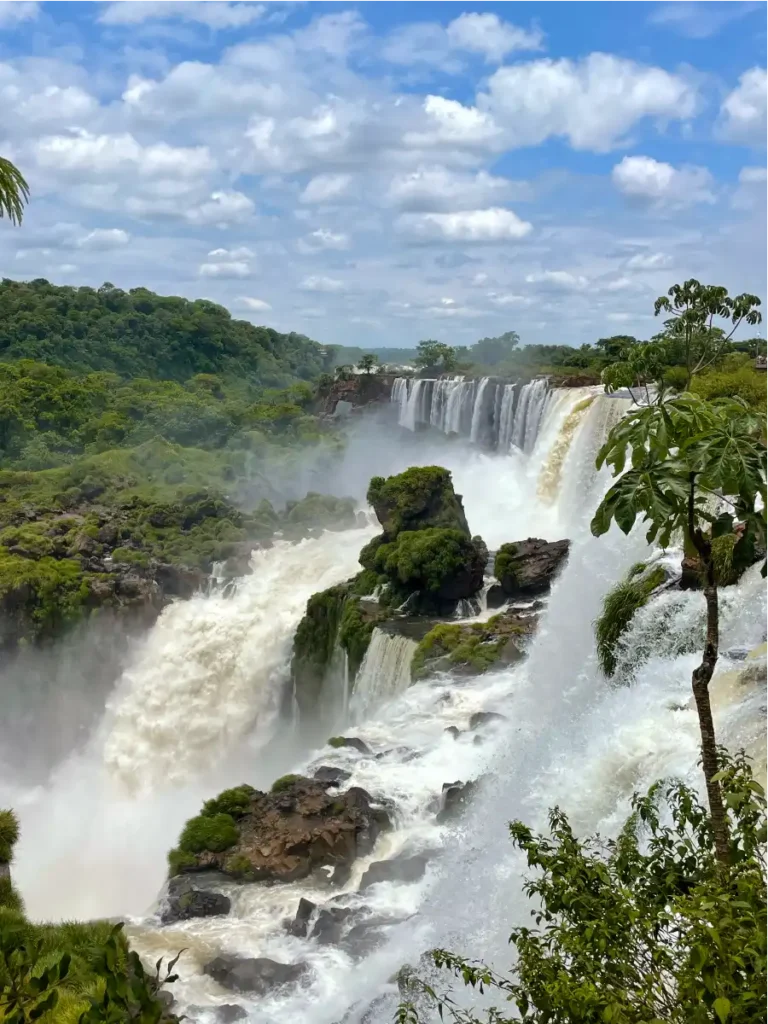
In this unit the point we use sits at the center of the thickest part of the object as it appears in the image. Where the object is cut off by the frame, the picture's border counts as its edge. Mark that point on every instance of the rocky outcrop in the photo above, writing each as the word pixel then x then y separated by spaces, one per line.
pixel 420 498
pixel 454 800
pixel 399 869
pixel 185 898
pixel 469 649
pixel 282 836
pixel 257 975
pixel 528 567
pixel 331 776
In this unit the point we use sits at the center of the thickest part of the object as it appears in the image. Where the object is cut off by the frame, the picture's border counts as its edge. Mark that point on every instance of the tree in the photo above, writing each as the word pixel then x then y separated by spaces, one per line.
pixel 644 929
pixel 14 191
pixel 617 346
pixel 492 351
pixel 434 355
pixel 694 309
pixel 344 372
pixel 684 452
pixel 368 363
pixel 644 364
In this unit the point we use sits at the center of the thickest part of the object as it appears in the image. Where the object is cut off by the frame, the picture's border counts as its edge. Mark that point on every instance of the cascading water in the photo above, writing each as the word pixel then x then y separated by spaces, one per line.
pixel 567 736
pixel 384 673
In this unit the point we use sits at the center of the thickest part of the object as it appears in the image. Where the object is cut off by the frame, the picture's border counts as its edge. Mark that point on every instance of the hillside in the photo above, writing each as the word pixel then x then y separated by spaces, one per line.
pixel 141 334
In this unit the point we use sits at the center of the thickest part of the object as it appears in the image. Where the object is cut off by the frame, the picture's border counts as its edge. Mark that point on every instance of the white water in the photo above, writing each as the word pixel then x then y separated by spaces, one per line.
pixel 568 738
pixel 384 673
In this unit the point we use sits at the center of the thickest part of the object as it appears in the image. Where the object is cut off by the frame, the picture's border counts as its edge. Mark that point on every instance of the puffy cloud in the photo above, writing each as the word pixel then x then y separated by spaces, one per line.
pixel 649 261
pixel 104 238
pixel 438 188
pixel 324 187
pixel 223 208
pixel 215 15
pixel 743 113
pixel 322 239
pixel 241 253
pixel 752 175
pixel 495 224
pixel 450 122
pixel 228 268
pixel 428 43
pixel 560 280
pixel 592 103
pixel 254 305
pixel 319 283
pixel 14 11
pixel 642 177
pixel 82 152
pixel 698 20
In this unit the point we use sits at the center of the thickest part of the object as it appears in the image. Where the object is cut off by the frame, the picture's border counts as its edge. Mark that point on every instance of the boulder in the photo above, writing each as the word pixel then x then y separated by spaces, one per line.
pixel 454 731
pixel 186 898
pixel 364 938
pixel 329 926
pixel 529 566
pixel 400 869
pixel 454 801
pixel 223 1013
pixel 253 974
pixel 300 924
pixel 337 742
pixel 331 776
pixel 284 835
pixel 481 718
pixel 420 498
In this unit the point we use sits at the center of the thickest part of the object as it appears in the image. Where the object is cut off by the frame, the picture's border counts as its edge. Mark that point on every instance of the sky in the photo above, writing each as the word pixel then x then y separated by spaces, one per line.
pixel 379 173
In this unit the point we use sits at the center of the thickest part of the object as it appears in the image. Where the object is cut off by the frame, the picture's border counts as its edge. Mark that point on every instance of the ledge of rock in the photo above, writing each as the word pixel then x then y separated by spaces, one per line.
pixel 187 897
pixel 528 567
pixel 253 974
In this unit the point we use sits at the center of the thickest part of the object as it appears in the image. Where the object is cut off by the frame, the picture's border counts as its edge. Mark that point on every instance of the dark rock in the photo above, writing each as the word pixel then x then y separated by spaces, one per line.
pixel 258 974
pixel 529 566
pixel 300 924
pixel 332 776
pixel 363 939
pixel 186 899
pixel 454 731
pixel 329 925
pixel 337 742
pixel 400 869
pixel 455 798
pixel 496 598
pixel 224 1013
pixel 481 718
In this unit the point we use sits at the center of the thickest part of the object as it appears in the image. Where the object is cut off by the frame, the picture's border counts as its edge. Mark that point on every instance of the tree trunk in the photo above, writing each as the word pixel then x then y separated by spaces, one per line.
pixel 701 679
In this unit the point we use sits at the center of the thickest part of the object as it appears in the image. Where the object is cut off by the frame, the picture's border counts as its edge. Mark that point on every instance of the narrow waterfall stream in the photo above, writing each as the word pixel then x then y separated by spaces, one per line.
pixel 197 710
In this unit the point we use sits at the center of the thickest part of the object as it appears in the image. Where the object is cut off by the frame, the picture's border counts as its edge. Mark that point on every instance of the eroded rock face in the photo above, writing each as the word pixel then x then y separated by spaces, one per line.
pixel 456 797
pixel 528 567
pixel 186 898
pixel 420 498
pixel 400 869
pixel 286 835
pixel 253 974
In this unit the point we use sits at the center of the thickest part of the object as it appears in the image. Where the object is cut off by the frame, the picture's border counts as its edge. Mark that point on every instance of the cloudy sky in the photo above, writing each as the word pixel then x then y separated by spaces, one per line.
pixel 385 172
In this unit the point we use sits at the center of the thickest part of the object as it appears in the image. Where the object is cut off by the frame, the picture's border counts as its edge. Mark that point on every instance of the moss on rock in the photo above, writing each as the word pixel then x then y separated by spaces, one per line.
pixel 619 607
pixel 420 498
pixel 472 648
pixel 314 644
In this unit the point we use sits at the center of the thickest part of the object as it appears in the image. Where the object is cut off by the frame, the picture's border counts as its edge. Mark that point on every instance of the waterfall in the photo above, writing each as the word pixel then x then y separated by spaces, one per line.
pixel 507 417
pixel 477 412
pixel 384 673
pixel 551 472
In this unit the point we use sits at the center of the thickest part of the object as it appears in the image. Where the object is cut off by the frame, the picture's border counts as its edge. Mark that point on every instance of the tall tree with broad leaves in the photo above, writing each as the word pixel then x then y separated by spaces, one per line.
pixel 698 469
pixel 695 322
pixel 435 355
pixel 14 191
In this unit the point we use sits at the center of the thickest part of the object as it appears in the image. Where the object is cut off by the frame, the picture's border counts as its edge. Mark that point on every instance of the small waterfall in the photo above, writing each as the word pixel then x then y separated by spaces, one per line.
pixel 477 412
pixel 385 671
pixel 507 416
pixel 551 472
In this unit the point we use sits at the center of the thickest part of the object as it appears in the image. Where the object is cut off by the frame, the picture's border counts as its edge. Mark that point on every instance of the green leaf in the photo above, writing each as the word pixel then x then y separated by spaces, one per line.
pixel 722 1008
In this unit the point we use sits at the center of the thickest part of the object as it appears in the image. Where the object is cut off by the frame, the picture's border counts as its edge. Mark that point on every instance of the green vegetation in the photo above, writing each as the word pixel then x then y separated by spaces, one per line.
pixel 234 802
pixel 649 927
pixel 428 560
pixel 421 497
pixel 355 631
pixel 435 356
pixel 472 647
pixel 619 607
pixel 214 829
pixel 504 562
pixel 314 643
pixel 285 782
pixel 337 742
pixel 14 191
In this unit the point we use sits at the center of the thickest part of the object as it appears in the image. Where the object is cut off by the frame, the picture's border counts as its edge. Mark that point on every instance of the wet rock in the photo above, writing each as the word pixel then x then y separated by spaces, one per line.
pixel 253 974
pixel 496 598
pixel 455 799
pixel 529 566
pixel 353 742
pixel 300 924
pixel 185 899
pixel 331 776
pixel 329 926
pixel 295 830
pixel 364 938
pixel 481 718
pixel 400 869
pixel 223 1013
pixel 454 731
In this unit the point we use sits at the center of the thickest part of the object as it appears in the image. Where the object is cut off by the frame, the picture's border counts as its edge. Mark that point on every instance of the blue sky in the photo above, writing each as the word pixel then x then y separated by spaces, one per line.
pixel 384 172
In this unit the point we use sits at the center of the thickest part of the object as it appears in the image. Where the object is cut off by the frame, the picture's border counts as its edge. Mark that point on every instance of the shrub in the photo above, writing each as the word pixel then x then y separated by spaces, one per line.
pixel 417 499
pixel 619 606
pixel 355 633
pixel 504 562
pixel 239 866
pixel 9 834
pixel 285 782
pixel 336 742
pixel 426 559
pixel 214 832
pixel 234 802
pixel 179 861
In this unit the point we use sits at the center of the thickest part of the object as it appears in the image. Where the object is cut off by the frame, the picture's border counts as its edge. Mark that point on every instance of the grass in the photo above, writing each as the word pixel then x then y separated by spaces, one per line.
pixel 619 607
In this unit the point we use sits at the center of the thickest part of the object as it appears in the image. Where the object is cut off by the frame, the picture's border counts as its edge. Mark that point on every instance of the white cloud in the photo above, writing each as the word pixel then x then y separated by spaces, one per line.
pixel 223 208
pixel 489 35
pixel 230 268
pixel 104 238
pixel 322 239
pixel 592 103
pixel 649 261
pixel 216 15
pixel 319 283
pixel 83 152
pixel 618 284
pixel 642 177
pixel 619 318
pixel 11 13
pixel 438 188
pixel 324 187
pixel 255 305
pixel 495 224
pixel 752 175
pixel 508 299
pixel 241 253
pixel 449 121
pixel 430 44
pixel 743 113
pixel 698 20
pixel 558 279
